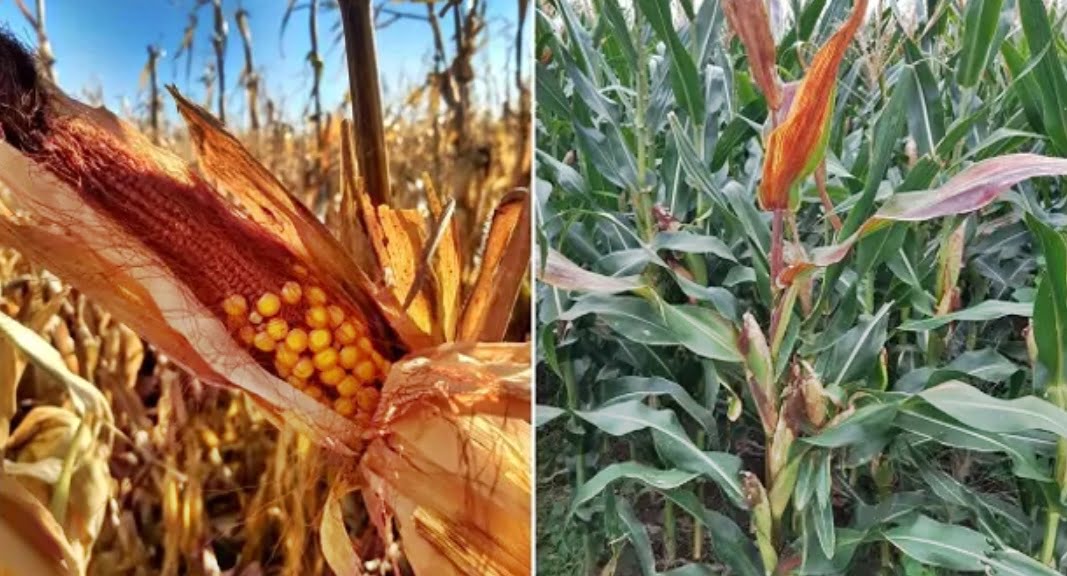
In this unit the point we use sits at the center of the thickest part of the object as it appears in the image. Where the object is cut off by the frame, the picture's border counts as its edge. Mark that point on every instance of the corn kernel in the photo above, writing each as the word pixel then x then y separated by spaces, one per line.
pixel 365 345
pixel 286 357
pixel 317 317
pixel 344 406
pixel 264 342
pixel 349 386
pixel 365 371
pixel 300 271
pixel 268 304
pixel 291 292
pixel 282 370
pixel 367 398
pixel 336 314
pixel 277 328
pixel 333 376
pixel 255 318
pixel 296 340
pixel 346 333
pixel 298 383
pixel 247 334
pixel 349 357
pixel 303 368
pixel 319 340
pixel 325 359
pixel 315 296
pixel 314 391
pixel 235 305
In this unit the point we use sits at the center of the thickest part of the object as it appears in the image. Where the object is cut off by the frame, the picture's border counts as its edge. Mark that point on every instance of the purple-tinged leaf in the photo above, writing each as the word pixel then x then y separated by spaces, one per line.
pixel 562 273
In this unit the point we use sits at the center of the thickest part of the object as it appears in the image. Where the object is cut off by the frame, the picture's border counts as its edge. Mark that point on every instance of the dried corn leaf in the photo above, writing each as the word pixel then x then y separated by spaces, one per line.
pixel 33 542
pixel 504 263
pixel 448 268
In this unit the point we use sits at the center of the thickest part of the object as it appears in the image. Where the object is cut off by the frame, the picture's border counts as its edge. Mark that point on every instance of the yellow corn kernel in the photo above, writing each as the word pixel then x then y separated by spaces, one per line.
pixel 282 370
pixel 268 304
pixel 264 342
pixel 336 314
pixel 278 328
pixel 296 340
pixel 325 359
pixel 255 318
pixel 286 357
pixel 235 305
pixel 365 345
pixel 332 376
pixel 315 296
pixel 314 391
pixel 349 357
pixel 298 383
pixel 291 292
pixel 319 340
pixel 344 406
pixel 349 386
pixel 303 368
pixel 317 317
pixel 365 371
pixel 346 333
pixel 367 398
pixel 247 334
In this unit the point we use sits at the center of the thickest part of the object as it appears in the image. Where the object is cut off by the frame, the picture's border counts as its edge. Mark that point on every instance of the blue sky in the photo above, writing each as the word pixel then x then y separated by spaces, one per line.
pixel 102 43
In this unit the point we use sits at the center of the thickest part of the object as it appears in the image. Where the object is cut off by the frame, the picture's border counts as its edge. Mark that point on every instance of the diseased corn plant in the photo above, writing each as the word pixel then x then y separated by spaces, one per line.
pixel 202 374
pixel 803 306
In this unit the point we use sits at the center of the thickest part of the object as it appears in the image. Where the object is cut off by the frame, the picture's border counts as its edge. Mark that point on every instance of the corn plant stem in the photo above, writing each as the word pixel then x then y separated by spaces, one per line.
pixel 573 404
pixel 776 246
pixel 218 40
pixel 1058 395
pixel 358 24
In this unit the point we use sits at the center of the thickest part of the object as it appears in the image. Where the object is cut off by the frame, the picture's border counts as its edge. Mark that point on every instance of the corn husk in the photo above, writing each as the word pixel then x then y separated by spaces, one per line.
pixel 450 463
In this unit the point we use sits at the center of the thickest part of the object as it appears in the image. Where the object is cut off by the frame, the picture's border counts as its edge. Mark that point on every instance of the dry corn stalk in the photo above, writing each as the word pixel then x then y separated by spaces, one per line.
pixel 239 283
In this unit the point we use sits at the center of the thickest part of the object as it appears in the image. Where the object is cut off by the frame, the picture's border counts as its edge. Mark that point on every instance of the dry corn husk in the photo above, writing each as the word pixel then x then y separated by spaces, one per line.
pixel 451 466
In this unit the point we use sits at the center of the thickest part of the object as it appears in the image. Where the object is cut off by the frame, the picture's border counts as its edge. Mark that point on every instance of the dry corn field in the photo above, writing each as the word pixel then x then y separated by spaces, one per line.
pixel 243 337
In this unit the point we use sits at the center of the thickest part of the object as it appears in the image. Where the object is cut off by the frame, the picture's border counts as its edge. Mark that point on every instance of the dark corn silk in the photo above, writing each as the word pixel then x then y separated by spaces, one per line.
pixel 270 301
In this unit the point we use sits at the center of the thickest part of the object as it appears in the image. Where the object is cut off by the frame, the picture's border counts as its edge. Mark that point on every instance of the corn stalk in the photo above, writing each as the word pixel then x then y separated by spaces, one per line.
pixel 45 56
pixel 218 42
pixel 249 77
pixel 371 154
pixel 154 102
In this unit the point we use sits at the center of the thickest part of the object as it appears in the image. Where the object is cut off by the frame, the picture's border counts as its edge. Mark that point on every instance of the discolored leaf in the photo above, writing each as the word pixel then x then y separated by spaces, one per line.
pixel 796 146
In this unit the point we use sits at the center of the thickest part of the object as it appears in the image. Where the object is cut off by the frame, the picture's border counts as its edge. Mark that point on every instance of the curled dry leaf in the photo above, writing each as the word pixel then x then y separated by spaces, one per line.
pixel 749 20
pixel 972 189
pixel 560 272
pixel 33 542
pixel 796 146
pixel 44 439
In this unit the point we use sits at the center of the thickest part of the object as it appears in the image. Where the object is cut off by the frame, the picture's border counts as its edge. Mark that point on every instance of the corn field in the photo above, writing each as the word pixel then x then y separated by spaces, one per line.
pixel 801 304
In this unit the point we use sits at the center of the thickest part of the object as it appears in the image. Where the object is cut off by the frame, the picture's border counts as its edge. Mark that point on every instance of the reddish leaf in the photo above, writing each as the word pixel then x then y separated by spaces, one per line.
pixel 972 189
pixel 748 19
pixel 562 273
pixel 796 146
